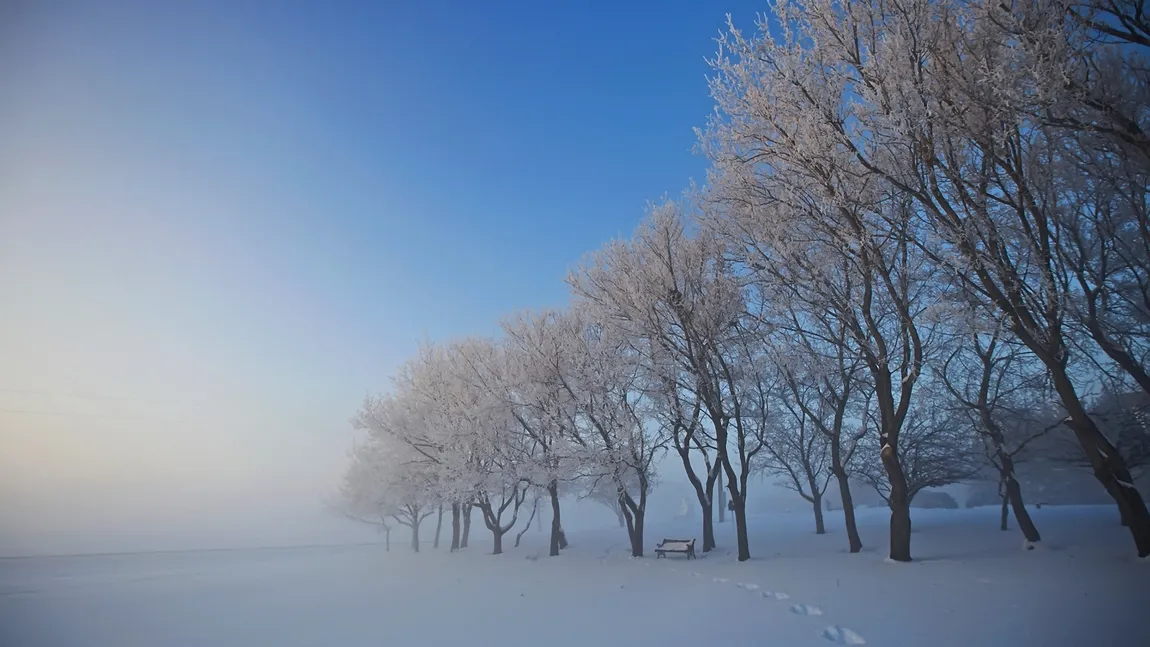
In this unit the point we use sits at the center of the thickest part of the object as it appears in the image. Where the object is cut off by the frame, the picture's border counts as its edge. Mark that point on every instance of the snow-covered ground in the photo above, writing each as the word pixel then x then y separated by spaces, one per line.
pixel 970 585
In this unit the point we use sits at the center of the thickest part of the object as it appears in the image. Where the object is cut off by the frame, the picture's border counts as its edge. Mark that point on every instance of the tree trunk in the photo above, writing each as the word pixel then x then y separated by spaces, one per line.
pixel 817 502
pixel 438 526
pixel 708 528
pixel 703 493
pixel 534 510
pixel 637 537
pixel 722 499
pixel 899 506
pixel 558 541
pixel 848 510
pixel 634 516
pixel 1008 486
pixel 1109 467
pixel 635 532
pixel 738 493
pixel 1012 495
pixel 741 527
pixel 454 527
pixel 466 525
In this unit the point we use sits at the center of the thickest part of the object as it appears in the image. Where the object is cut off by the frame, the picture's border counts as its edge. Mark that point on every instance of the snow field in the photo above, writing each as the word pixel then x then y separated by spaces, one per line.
pixel 970 585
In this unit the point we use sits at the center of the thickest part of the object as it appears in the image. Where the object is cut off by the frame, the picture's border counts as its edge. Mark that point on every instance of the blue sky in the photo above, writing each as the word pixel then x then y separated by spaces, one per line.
pixel 222 223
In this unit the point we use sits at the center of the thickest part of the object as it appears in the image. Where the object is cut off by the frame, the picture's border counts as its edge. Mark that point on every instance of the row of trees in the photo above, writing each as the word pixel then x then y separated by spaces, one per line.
pixel 924 231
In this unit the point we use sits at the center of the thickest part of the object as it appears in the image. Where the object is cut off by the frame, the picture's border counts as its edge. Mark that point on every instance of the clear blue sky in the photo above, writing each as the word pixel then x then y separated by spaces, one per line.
pixel 223 222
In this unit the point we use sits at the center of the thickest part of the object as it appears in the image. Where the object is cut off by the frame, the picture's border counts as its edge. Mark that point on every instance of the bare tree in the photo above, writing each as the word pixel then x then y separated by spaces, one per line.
pixel 936 452
pixel 412 516
pixel 995 386
pixel 605 492
pixel 1123 415
pixel 822 381
pixel 799 451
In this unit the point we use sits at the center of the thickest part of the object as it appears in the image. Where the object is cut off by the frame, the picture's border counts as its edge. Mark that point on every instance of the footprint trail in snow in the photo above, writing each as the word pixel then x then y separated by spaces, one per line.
pixel 842 636
pixel 836 634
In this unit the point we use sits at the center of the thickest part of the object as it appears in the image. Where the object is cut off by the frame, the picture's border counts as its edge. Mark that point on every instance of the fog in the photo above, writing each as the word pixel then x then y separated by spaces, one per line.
pixel 170 373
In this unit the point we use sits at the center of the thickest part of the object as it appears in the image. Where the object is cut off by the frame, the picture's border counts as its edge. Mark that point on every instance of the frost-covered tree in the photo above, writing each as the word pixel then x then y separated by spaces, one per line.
pixel 964 112
pixel 829 245
pixel 384 477
pixel 535 349
pixel 675 295
pixel 947 102
pixel 502 461
pixel 361 497
pixel 617 437
pixel 413 415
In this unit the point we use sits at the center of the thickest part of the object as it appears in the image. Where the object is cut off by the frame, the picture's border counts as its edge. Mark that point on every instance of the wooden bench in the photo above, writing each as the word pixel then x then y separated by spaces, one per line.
pixel 686 546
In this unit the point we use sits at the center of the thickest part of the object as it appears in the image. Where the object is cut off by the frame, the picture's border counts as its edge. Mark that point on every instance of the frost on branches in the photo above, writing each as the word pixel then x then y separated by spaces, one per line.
pixel 881 174
pixel 1003 144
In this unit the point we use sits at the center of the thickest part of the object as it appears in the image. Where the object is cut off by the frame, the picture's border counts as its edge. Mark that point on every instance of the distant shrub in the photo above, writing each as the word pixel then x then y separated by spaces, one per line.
pixel 930 499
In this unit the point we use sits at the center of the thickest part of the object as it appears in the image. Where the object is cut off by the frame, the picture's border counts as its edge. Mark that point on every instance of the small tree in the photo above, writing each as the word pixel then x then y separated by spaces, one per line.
pixel 361 498
pixel 797 450
pixel 936 452
pixel 995 386
pixel 605 492
pixel 383 478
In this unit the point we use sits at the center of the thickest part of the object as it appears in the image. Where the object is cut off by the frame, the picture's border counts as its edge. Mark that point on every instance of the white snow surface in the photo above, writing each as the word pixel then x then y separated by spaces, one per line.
pixel 969 585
